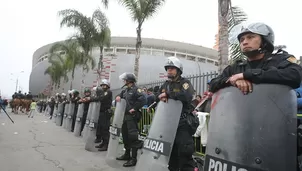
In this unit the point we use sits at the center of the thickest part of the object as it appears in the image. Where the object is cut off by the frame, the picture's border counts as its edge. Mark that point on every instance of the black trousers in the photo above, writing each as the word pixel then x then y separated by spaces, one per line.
pixel 130 134
pixel 83 121
pixel 103 127
pixel 182 151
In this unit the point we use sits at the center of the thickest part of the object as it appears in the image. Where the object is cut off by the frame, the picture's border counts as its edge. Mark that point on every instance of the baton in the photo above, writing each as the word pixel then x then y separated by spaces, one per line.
pixel 6 113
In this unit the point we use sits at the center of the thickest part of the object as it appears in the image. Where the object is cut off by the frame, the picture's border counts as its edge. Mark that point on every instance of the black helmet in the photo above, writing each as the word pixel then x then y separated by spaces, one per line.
pixel 128 77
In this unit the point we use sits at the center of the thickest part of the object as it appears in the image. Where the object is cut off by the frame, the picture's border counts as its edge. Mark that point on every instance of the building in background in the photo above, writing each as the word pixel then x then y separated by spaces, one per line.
pixel 119 58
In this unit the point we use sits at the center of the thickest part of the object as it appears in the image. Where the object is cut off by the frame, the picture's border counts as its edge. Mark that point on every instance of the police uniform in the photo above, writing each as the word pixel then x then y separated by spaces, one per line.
pixel 135 100
pixel 85 111
pixel 75 100
pixel 274 68
pixel 279 68
pixel 183 148
pixel 64 101
pixel 102 133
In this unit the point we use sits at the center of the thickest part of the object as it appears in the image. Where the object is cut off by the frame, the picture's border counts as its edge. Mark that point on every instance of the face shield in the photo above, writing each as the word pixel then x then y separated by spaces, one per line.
pixel 123 76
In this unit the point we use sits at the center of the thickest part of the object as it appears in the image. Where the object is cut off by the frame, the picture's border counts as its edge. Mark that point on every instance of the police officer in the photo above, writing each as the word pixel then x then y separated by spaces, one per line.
pixel 75 97
pixel 86 101
pixel 262 65
pixel 135 101
pixel 179 88
pixel 64 101
pixel 29 96
pixel 51 104
pixel 103 95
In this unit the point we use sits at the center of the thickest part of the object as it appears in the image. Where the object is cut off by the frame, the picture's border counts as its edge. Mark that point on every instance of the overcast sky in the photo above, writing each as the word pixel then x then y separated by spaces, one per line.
pixel 28 25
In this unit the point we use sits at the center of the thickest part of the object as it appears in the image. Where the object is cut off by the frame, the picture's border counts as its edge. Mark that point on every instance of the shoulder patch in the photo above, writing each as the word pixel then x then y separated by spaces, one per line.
pixel 185 86
pixel 139 90
pixel 292 59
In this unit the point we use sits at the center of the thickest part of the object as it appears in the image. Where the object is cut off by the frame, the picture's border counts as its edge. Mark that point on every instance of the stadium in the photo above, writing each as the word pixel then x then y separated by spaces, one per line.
pixel 119 58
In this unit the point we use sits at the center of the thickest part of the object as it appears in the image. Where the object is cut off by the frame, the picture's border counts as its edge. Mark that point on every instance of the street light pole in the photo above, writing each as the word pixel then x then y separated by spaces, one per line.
pixel 17 85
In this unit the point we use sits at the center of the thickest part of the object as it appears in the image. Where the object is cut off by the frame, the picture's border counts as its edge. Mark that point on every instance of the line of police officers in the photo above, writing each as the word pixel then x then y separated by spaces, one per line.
pixel 262 66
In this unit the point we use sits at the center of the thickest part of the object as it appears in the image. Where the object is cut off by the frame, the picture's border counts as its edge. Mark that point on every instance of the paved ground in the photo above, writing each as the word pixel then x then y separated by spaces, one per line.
pixel 38 144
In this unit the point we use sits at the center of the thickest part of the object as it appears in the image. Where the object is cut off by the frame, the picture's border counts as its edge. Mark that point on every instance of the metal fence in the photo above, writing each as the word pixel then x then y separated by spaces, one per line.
pixel 199 82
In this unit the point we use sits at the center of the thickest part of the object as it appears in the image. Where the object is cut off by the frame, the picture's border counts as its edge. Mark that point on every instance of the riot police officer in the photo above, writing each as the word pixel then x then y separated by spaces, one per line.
pixel 86 101
pixel 179 88
pixel 135 101
pixel 104 95
pixel 64 101
pixel 262 65
pixel 74 99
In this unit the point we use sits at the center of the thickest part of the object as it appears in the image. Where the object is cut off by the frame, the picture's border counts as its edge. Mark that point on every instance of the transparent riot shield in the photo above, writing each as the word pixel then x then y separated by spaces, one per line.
pixel 70 116
pixel 159 142
pixel 91 133
pixel 55 113
pixel 66 110
pixel 254 132
pixel 77 127
pixel 86 128
pixel 115 133
pixel 60 114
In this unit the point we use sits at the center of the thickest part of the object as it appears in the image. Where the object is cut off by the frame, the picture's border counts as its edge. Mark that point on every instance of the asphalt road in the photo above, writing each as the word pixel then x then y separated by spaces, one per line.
pixel 35 144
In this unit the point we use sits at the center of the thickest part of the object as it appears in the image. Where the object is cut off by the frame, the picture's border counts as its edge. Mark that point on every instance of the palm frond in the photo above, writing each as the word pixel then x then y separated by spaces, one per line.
pixel 236 17
pixel 105 3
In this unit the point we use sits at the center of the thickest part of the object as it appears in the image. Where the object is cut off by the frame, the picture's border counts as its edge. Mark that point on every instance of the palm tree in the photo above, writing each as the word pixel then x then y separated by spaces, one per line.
pixel 237 16
pixel 102 35
pixel 55 71
pixel 91 30
pixel 140 11
pixel 71 58
pixel 223 47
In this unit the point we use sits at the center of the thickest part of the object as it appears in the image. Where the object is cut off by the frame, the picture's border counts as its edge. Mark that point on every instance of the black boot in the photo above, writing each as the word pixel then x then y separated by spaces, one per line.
pixel 130 163
pixel 100 145
pixel 103 148
pixel 98 140
pixel 125 156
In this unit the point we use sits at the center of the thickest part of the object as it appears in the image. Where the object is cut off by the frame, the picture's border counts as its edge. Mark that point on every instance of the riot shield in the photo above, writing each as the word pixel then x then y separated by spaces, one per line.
pixel 254 132
pixel 115 133
pixel 91 133
pixel 66 110
pixel 77 127
pixel 60 114
pixel 70 116
pixel 86 128
pixel 159 142
pixel 55 113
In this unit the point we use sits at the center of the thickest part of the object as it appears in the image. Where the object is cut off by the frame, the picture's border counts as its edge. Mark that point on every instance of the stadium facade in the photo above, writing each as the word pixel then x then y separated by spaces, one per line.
pixel 119 58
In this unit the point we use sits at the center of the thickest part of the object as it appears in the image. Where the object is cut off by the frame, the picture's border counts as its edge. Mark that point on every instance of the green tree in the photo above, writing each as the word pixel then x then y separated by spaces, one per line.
pixel 101 35
pixel 237 16
pixel 85 35
pixel 71 58
pixel 55 71
pixel 140 11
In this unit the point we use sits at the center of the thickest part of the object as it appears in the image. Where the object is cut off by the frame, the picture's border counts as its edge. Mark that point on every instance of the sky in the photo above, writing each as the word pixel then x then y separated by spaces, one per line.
pixel 28 25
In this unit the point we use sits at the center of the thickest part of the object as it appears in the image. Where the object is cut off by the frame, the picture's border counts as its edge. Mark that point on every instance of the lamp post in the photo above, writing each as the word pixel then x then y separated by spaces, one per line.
pixel 17 80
